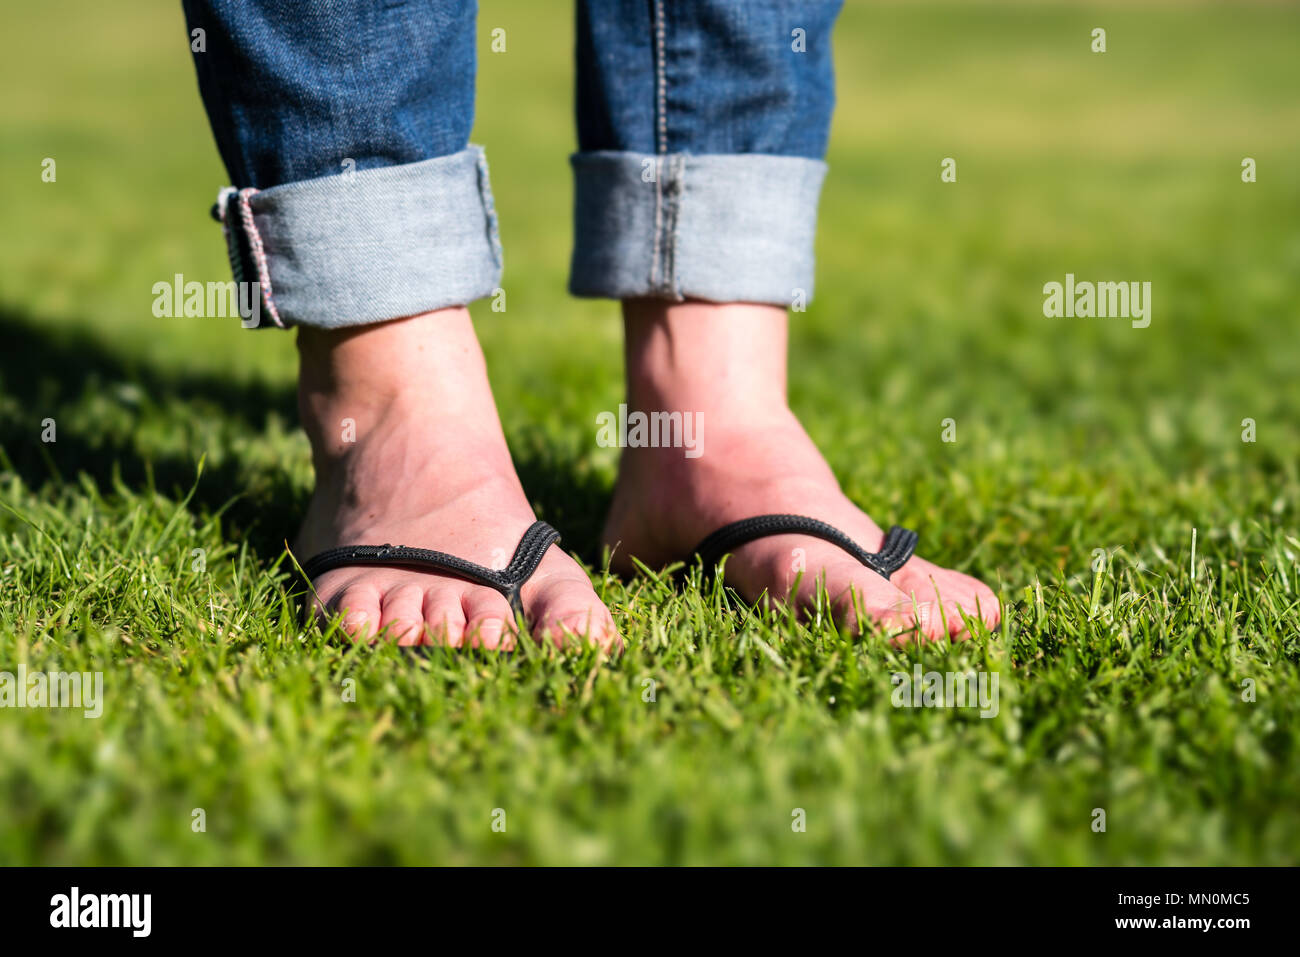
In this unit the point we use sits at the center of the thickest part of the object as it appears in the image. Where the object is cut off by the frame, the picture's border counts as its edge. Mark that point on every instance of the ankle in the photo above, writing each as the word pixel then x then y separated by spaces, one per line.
pixel 417 380
pixel 435 354
pixel 722 359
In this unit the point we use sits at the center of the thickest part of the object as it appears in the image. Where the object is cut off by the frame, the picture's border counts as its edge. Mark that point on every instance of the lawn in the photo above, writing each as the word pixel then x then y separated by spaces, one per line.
pixel 1139 674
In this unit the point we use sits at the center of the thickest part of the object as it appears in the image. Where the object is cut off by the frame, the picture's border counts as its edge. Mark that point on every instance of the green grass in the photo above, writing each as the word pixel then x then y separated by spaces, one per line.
pixel 1121 690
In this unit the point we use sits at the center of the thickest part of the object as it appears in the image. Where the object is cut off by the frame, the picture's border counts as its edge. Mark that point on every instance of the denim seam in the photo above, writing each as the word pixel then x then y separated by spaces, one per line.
pixel 659 218
pixel 219 210
pixel 259 253
pixel 670 173
pixel 254 245
pixel 661 77
pixel 676 191
pixel 489 208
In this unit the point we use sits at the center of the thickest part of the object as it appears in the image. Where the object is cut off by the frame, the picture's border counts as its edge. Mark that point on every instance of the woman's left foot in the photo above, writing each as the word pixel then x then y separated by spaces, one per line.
pixel 755 458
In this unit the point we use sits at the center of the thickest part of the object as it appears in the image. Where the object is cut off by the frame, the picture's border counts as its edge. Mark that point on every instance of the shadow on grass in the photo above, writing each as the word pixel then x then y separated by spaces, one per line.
pixel 59 371
pixel 66 373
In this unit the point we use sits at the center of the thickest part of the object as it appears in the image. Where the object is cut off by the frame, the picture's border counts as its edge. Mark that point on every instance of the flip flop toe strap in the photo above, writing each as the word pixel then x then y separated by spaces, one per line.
pixel 896 548
pixel 508 581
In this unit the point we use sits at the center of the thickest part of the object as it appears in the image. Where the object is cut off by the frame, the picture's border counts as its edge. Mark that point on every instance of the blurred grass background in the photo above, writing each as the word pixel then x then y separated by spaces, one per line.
pixel 1073 435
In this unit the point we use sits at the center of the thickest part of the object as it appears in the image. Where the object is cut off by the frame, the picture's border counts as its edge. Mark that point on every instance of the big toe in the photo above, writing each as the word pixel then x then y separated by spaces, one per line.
pixel 901 618
pixel 959 596
pixel 568 611
pixel 869 602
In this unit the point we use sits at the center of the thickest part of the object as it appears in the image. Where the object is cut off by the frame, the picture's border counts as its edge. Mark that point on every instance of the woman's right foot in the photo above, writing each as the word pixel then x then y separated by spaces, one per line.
pixel 408 450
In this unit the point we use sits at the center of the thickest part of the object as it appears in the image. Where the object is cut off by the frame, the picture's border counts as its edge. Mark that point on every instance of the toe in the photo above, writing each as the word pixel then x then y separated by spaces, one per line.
pixel 444 616
pixel 359 606
pixel 907 620
pixel 592 625
pixel 871 602
pixel 970 597
pixel 403 614
pixel 584 623
pixel 984 604
pixel 569 611
pixel 954 615
pixel 489 621
pixel 958 594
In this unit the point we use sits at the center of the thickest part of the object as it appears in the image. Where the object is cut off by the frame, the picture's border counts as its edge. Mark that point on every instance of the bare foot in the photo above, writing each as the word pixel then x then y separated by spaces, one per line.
pixel 725 364
pixel 408 450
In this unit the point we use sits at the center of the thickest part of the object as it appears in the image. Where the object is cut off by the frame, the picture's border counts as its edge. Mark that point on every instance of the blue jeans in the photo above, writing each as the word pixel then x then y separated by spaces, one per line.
pixel 358 198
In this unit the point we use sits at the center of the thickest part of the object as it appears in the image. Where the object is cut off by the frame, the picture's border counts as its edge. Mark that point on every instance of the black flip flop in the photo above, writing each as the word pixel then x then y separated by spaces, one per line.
pixel 508 581
pixel 896 548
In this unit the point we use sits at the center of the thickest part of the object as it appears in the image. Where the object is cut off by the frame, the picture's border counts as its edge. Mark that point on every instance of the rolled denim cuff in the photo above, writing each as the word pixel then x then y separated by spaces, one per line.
pixel 727 228
pixel 367 246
